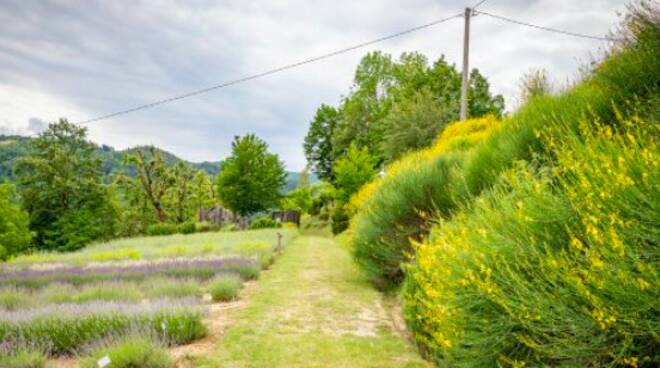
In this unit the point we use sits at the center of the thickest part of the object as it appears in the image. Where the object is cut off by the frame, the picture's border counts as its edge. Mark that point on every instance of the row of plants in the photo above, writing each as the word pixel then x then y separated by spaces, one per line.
pixel 201 269
pixel 255 244
pixel 64 328
pixel 537 244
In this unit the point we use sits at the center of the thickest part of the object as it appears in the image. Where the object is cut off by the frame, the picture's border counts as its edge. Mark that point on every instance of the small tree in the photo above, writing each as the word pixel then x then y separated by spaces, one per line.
pixel 534 84
pixel 353 171
pixel 178 197
pixel 250 179
pixel 15 234
pixel 318 142
pixel 154 178
pixel 61 186
pixel 415 123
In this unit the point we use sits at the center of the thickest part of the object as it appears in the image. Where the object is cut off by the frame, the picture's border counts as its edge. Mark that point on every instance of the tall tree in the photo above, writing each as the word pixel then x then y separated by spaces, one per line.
pixel 250 179
pixel 15 234
pixel 318 142
pixel 415 123
pixel 381 84
pixel 153 176
pixel 61 187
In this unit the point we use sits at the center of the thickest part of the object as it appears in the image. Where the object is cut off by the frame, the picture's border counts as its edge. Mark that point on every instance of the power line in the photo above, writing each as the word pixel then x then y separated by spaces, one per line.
pixel 271 71
pixel 569 33
pixel 474 7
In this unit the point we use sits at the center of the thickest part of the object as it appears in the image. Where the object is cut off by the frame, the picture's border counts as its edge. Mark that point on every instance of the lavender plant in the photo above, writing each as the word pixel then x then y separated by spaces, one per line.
pixel 202 269
pixel 62 328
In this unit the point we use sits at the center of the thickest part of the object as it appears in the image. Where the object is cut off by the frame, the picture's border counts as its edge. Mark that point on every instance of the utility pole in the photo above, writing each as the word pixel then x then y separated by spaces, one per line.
pixel 466 56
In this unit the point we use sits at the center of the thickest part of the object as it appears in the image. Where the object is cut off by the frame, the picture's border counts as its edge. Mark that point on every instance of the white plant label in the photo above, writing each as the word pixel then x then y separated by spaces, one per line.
pixel 103 362
pixel 163 325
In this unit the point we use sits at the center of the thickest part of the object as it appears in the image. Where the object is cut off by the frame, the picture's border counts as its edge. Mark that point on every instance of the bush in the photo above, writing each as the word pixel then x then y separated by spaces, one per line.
pixel 225 288
pixel 549 258
pixel 549 268
pixel 132 353
pixel 203 227
pixel 64 328
pixel 401 205
pixel 23 358
pixel 162 229
pixel 264 222
pixel 187 228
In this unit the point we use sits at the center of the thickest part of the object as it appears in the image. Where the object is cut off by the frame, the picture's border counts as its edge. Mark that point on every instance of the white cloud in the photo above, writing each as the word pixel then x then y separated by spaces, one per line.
pixel 80 60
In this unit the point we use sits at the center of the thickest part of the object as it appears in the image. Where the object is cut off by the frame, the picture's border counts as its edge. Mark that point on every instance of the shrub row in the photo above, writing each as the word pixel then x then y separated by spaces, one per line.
pixel 64 328
pixel 203 269
pixel 551 267
pixel 399 206
pixel 14 298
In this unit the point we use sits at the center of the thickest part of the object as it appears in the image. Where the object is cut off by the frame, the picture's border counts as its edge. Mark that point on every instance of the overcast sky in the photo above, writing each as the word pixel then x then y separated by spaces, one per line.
pixel 81 59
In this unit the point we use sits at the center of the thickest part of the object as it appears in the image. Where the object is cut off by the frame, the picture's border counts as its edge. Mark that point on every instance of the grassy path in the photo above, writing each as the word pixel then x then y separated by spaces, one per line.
pixel 313 309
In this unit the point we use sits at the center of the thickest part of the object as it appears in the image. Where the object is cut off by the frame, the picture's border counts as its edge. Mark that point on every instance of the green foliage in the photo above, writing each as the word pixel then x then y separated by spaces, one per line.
pixel 318 141
pixel 225 288
pixel 65 334
pixel 153 180
pixel 381 104
pixel 15 234
pixel 264 222
pixel 352 172
pixel 540 227
pixel 61 187
pixel 11 148
pixel 23 358
pixel 251 177
pixel 414 123
pixel 544 253
pixel 162 229
pixel 131 353
pixel 187 227
pixel 178 197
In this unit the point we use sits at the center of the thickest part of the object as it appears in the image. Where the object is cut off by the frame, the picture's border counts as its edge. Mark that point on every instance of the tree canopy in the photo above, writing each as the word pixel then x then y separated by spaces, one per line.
pixel 250 178
pixel 61 186
pixel 386 97
pixel 15 234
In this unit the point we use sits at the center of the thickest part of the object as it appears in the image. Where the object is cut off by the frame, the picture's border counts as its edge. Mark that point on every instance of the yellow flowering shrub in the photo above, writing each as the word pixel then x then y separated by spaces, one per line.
pixel 555 265
pixel 401 204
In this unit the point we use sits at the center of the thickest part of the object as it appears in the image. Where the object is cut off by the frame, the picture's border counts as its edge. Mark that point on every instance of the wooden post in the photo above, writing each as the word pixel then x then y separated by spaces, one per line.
pixel 466 71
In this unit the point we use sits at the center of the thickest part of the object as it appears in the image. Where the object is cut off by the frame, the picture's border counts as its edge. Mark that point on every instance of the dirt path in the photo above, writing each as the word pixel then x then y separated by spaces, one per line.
pixel 313 309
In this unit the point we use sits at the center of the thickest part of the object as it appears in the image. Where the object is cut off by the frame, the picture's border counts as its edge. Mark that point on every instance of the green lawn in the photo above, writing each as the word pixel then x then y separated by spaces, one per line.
pixel 168 246
pixel 313 309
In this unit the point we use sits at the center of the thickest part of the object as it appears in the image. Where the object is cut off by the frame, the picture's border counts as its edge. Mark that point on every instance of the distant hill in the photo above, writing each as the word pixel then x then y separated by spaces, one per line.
pixel 12 147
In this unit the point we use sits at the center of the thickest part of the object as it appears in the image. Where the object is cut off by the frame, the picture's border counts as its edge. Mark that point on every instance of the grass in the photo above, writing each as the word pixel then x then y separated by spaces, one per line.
pixel 225 288
pixel 131 353
pixel 314 308
pixel 170 246
pixel 23 358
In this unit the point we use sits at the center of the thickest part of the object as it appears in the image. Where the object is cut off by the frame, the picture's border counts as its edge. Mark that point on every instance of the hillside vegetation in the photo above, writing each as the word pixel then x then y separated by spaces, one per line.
pixel 532 241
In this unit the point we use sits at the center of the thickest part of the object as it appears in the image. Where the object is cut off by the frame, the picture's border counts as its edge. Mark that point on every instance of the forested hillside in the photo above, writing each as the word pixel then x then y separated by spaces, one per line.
pixel 12 147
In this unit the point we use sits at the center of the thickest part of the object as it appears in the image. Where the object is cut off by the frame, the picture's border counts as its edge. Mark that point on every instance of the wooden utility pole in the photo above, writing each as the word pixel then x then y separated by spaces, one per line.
pixel 466 57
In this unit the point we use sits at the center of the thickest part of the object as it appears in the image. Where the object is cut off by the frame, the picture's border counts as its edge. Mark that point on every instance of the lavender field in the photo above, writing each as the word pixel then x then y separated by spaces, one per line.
pixel 157 290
